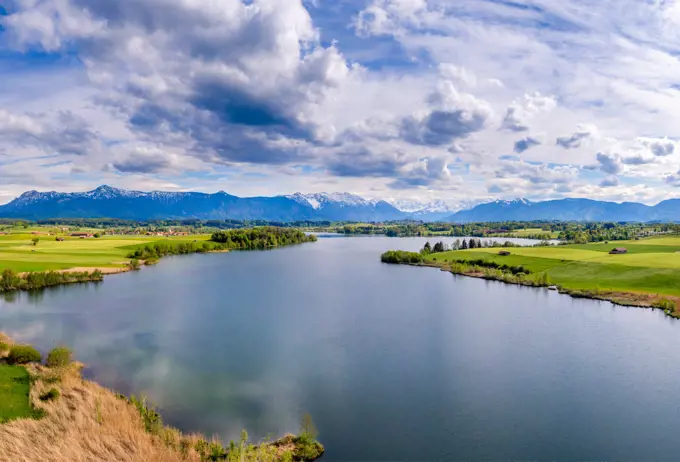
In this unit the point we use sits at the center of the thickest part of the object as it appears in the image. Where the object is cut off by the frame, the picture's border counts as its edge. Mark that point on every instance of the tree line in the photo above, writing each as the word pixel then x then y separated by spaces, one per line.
pixel 261 238
pixel 11 280
pixel 241 239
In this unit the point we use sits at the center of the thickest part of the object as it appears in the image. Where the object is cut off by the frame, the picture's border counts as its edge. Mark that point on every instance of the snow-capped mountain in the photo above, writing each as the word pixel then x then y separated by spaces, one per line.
pixel 106 201
pixel 320 200
pixel 568 210
pixel 347 207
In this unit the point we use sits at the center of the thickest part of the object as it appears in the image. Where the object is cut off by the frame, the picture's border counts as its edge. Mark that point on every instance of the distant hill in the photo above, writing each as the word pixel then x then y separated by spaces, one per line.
pixel 109 202
pixel 568 210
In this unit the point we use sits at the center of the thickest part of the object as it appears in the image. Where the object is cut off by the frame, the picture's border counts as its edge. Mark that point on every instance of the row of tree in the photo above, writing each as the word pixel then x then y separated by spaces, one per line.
pixel 11 280
pixel 465 244
pixel 261 238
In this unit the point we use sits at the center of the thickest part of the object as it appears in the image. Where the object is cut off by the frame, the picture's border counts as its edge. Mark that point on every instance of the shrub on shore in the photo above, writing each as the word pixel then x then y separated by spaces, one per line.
pixel 667 305
pixel 23 354
pixel 12 281
pixel 50 395
pixel 59 357
pixel 401 256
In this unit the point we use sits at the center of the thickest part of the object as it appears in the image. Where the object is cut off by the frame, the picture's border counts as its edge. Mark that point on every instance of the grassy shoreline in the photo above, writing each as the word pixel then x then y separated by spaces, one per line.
pixel 52 413
pixel 646 276
pixel 29 263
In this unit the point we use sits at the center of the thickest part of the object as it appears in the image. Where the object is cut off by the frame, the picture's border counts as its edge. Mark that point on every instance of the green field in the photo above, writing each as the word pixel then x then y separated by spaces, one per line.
pixel 650 266
pixel 527 232
pixel 18 253
pixel 14 389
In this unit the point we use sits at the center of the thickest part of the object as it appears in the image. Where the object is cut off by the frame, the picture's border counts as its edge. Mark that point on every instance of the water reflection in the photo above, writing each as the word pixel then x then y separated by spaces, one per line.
pixel 403 363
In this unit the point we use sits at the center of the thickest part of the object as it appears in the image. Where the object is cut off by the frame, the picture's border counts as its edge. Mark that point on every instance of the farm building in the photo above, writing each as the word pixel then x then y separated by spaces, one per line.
pixel 81 235
pixel 618 251
pixel 504 253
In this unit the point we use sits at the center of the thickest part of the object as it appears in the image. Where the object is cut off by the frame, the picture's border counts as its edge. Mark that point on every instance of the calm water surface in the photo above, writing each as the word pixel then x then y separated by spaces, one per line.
pixel 393 362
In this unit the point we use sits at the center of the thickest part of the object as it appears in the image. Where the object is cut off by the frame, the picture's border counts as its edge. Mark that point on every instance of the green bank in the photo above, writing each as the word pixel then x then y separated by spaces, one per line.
pixel 643 272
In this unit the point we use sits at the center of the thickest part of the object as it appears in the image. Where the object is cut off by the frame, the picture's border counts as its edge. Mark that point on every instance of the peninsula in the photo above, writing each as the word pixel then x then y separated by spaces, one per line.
pixel 639 272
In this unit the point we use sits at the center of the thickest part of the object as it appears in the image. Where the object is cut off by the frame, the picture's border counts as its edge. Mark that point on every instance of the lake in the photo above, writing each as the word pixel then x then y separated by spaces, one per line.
pixel 392 362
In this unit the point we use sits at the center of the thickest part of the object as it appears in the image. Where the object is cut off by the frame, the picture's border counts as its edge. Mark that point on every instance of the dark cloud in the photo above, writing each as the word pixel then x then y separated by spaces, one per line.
pixel 610 163
pixel 636 160
pixel 674 180
pixel 152 163
pixel 361 162
pixel 661 148
pixel 443 127
pixel 609 182
pixel 573 141
pixel 65 134
pixel 513 122
pixel 252 73
pixel 526 143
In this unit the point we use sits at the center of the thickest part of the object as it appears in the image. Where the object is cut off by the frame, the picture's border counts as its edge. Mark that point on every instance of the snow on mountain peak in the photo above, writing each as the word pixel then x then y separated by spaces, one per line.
pixel 320 200
pixel 422 207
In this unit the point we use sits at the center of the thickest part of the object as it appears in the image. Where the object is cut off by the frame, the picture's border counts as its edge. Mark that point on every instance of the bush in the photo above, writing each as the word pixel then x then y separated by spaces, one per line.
pixel 4 347
pixel 58 357
pixel 307 448
pixel 665 304
pixel 50 395
pixel 23 354
pixel 400 256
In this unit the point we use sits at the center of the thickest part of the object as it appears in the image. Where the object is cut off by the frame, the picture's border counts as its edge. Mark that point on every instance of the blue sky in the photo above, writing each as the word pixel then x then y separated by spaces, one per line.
pixel 413 100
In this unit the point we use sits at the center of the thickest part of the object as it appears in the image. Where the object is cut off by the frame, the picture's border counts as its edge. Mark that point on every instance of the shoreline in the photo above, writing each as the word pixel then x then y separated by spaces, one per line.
pixel 83 420
pixel 626 299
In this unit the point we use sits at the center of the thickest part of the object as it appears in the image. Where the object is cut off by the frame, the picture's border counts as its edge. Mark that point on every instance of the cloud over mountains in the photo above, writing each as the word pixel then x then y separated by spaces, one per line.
pixel 410 99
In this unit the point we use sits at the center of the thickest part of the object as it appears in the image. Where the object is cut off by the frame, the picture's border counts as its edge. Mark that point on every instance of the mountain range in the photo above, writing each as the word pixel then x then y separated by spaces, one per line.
pixel 109 202
pixel 569 210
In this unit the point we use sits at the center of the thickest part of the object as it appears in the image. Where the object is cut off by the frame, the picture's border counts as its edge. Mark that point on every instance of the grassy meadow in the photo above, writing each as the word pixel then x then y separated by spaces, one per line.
pixel 14 393
pixel 651 265
pixel 530 232
pixel 18 253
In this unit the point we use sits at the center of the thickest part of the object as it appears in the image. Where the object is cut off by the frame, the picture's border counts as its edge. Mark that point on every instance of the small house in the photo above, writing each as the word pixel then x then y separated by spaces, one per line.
pixel 504 253
pixel 60 239
pixel 81 235
pixel 618 251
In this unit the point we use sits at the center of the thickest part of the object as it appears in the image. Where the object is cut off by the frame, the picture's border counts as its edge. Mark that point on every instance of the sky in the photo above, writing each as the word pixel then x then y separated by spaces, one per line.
pixel 461 101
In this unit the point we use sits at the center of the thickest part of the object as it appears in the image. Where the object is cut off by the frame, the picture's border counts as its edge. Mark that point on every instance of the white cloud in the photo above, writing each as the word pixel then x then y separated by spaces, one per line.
pixel 441 91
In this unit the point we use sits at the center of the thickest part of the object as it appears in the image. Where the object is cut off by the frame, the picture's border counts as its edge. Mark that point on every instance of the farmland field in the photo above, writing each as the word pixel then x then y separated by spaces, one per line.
pixel 650 266
pixel 527 232
pixel 17 251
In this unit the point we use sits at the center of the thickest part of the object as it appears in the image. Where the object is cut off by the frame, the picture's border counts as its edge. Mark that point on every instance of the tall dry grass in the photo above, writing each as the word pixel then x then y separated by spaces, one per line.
pixel 86 423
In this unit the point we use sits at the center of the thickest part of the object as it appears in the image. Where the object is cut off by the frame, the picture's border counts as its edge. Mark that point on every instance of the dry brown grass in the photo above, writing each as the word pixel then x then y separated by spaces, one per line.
pixel 86 423
pixel 5 340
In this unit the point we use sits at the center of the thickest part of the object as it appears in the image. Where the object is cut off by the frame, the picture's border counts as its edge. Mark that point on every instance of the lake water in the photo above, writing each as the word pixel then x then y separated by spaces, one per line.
pixel 393 362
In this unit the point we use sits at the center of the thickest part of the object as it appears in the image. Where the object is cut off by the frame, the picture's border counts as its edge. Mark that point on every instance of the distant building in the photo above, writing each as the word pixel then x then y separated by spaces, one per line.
pixel 618 251
pixel 504 253
pixel 81 235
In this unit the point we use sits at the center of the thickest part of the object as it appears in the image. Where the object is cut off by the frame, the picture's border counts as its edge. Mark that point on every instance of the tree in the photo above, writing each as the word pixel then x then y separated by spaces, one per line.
pixel 35 240
pixel 473 244
pixel 427 248
pixel 10 280
pixel 307 426
pixel 464 245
